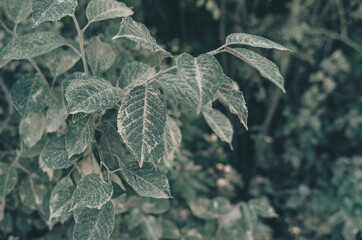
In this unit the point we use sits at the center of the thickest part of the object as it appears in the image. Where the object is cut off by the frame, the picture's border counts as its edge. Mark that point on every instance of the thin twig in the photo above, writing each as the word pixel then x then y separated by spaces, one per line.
pixel 81 44
pixel 85 27
pixel 7 29
pixel 75 50
pixel 42 75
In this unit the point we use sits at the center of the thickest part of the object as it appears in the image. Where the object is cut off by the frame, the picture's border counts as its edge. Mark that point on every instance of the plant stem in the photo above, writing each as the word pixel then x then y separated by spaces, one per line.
pixel 7 29
pixel 81 44
pixel 42 75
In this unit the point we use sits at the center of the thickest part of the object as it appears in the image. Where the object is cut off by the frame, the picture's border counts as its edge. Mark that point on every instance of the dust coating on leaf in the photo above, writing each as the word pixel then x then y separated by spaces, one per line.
pixel 98 10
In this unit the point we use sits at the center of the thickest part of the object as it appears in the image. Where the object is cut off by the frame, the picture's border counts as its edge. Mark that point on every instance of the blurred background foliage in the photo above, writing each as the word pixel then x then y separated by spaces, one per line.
pixel 302 152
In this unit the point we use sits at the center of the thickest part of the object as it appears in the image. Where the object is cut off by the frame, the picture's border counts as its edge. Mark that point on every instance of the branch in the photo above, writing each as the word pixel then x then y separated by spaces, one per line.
pixel 7 29
pixel 81 44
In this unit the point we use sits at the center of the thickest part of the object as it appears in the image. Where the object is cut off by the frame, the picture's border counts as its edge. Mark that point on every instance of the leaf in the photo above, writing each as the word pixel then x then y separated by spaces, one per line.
pixel 262 207
pixel 100 55
pixel 32 45
pixel 18 10
pixel 91 192
pixel 170 230
pixel 141 121
pixel 111 148
pixel 54 154
pixel 135 218
pixel 253 41
pixel 90 94
pixel 135 74
pixel 94 224
pixel 152 228
pixel 60 201
pixel 234 99
pixel 201 76
pixel 29 94
pixel 210 209
pixel 139 33
pixel 79 135
pixel 98 10
pixel 172 138
pixel 34 190
pixel 8 178
pixel 59 61
pixel 3 62
pixel 146 181
pixel 52 10
pixel 156 206
pixel 31 128
pixel 220 124
pixel 55 115
pixel 265 67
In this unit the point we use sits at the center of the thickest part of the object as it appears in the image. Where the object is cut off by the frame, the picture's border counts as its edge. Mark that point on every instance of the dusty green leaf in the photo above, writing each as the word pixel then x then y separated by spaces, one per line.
pixel 134 74
pixel 60 201
pixel 90 94
pixel 230 95
pixel 8 178
pixel 139 33
pixel 265 67
pixel 32 45
pixel 156 206
pixel 55 115
pixel 210 208
pixel 29 94
pixel 111 148
pixel 51 10
pixel 31 128
pixel 54 154
pixel 79 135
pixel 262 207
pixel 94 224
pixel 146 181
pixel 18 10
pixel 100 55
pixel 200 79
pixel 172 138
pixel 170 230
pixel 152 228
pixel 220 124
pixel 59 61
pixel 141 121
pixel 135 218
pixel 91 192
pixel 253 41
pixel 98 10
pixel 3 62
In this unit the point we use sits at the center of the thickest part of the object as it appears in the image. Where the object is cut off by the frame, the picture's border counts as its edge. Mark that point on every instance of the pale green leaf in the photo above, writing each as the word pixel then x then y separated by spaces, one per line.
pixel 202 77
pixel 141 121
pixel 265 67
pixel 152 228
pixel 134 74
pixel 220 124
pixel 90 94
pixel 3 62
pixel 34 190
pixel 79 135
pixel 252 40
pixel 262 207
pixel 29 94
pixel 54 154
pixel 59 61
pixel 32 45
pixel 156 206
pixel 31 128
pixel 98 10
pixel 146 181
pixel 60 201
pixel 111 148
pixel 230 95
pixel 94 224
pixel 55 115
pixel 18 10
pixel 100 55
pixel 135 218
pixel 170 230
pixel 52 10
pixel 8 178
pixel 210 208
pixel 139 33
pixel 172 138
pixel 91 192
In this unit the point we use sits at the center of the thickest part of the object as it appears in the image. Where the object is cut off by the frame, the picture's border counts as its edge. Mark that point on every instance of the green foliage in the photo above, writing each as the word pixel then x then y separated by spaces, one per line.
pixel 107 148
